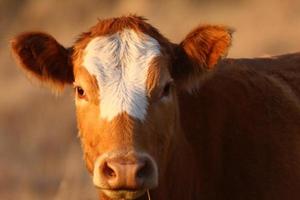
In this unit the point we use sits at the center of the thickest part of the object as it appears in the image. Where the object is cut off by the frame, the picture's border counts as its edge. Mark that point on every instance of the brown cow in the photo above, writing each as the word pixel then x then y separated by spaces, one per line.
pixel 174 119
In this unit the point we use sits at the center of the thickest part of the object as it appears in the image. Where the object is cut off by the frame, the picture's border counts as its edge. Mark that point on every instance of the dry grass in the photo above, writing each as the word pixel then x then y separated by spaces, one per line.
pixel 40 155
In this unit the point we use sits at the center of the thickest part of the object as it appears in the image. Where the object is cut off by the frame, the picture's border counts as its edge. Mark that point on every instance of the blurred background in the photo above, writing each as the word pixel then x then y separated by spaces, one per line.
pixel 40 155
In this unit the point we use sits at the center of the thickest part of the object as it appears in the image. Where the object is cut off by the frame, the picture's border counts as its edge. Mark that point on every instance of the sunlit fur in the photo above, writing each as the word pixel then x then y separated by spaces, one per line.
pixel 120 64
pixel 128 61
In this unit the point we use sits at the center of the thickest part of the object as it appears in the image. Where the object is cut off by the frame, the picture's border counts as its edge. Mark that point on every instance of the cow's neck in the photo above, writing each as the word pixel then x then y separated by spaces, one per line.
pixel 180 179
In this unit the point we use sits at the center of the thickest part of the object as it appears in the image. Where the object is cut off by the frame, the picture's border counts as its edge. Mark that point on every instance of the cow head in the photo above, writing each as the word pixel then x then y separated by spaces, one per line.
pixel 126 76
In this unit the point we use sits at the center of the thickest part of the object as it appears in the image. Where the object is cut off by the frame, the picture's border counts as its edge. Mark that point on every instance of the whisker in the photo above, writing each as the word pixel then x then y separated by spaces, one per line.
pixel 148 194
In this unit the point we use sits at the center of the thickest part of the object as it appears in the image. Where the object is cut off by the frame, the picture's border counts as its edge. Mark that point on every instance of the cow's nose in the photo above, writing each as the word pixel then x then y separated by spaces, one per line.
pixel 127 174
pixel 121 174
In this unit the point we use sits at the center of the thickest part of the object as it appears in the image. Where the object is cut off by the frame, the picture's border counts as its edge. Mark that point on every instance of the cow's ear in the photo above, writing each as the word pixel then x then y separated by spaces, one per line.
pixel 41 56
pixel 200 51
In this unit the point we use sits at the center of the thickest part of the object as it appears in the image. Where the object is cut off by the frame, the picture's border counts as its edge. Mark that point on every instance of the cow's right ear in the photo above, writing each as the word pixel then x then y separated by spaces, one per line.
pixel 43 57
pixel 198 53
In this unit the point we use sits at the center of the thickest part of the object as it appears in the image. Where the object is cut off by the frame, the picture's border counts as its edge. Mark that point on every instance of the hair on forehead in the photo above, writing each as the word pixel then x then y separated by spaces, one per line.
pixel 118 53
pixel 120 63
pixel 114 25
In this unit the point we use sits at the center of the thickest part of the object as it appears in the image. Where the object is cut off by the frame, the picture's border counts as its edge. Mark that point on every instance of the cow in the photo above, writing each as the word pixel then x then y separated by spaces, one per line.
pixel 172 121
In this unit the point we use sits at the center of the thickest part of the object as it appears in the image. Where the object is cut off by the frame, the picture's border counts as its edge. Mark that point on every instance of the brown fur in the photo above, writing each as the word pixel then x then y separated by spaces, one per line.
pixel 198 52
pixel 113 25
pixel 245 128
pixel 236 136
pixel 43 57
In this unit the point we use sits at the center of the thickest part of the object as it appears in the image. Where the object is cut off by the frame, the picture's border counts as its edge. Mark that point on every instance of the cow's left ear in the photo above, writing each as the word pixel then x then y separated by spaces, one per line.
pixel 200 51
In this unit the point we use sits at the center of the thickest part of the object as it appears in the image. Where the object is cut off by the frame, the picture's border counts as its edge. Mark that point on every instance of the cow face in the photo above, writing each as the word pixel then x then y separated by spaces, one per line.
pixel 125 76
pixel 125 109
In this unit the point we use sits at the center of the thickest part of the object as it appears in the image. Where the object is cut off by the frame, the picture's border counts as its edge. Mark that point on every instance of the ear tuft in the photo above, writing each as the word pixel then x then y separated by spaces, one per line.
pixel 205 45
pixel 40 55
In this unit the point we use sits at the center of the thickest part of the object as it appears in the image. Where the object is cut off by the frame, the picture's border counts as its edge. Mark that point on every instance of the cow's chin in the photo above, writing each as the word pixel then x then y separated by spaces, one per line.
pixel 123 194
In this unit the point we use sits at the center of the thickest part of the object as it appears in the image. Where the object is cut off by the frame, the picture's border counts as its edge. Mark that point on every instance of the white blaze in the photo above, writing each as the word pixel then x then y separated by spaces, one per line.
pixel 120 63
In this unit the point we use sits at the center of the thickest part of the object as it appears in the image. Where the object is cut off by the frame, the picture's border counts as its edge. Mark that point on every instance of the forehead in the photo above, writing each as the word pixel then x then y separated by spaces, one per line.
pixel 120 63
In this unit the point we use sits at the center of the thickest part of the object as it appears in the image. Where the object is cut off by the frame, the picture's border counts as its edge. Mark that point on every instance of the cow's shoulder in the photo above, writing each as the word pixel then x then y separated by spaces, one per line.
pixel 260 95
pixel 265 82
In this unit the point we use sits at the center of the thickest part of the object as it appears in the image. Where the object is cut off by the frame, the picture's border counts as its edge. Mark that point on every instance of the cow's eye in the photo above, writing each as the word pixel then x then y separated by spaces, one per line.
pixel 167 89
pixel 79 91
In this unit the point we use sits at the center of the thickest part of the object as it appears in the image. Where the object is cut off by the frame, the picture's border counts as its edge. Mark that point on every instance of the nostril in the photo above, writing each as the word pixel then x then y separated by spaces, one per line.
pixel 108 171
pixel 144 170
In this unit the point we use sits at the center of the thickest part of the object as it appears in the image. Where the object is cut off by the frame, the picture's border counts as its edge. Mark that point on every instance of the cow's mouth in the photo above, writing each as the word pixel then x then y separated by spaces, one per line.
pixel 123 194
